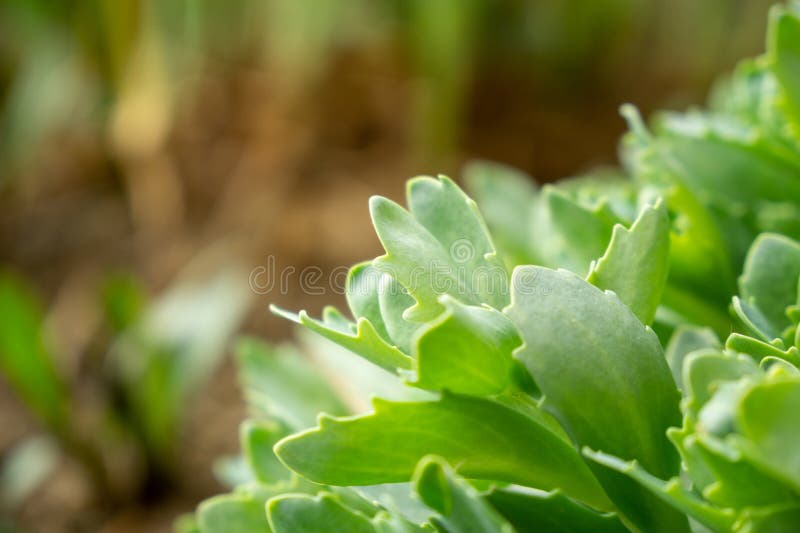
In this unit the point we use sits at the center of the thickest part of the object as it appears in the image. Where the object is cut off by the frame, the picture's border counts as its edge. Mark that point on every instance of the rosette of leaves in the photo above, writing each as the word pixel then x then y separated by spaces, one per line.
pixel 496 437
pixel 544 400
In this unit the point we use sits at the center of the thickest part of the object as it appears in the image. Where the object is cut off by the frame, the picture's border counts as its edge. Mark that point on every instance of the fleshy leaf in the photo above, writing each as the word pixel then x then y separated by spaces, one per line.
pixel 231 513
pixel 466 350
pixel 760 349
pixel 737 482
pixel 258 437
pixel 600 368
pixel 534 510
pixel 300 513
pixel 362 286
pixel 769 519
pixel 361 339
pixel 670 492
pixel 684 341
pixel 569 234
pixel 784 48
pixel 506 198
pixel 754 321
pixel 440 246
pixel 769 422
pixel 770 277
pixel 635 264
pixel 481 438
pixel 704 370
pixel 459 506
pixel 716 155
pixel 393 301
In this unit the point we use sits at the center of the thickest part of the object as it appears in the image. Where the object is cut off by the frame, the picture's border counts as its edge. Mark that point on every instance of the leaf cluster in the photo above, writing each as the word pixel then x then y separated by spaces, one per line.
pixel 536 393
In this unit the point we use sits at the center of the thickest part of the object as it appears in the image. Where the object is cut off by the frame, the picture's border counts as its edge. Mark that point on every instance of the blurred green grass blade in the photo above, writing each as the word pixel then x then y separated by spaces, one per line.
pixel 24 359
pixel 123 300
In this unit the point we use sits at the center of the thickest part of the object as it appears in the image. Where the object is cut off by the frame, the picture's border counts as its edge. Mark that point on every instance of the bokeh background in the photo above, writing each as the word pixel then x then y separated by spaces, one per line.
pixel 154 152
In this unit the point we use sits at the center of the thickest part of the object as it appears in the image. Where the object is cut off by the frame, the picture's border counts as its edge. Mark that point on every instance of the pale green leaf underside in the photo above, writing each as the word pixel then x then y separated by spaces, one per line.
pixel 361 339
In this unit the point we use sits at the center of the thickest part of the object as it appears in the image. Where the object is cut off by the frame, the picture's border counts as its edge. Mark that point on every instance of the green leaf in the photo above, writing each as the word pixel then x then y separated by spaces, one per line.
pixel 459 506
pixel 600 368
pixel 718 156
pixel 670 492
pixel 783 42
pixel 534 510
pixel 467 350
pixel 684 341
pixel 483 439
pixel 231 513
pixel 736 481
pixel 361 339
pixel 768 422
pixel 754 321
pixel 440 246
pixel 770 277
pixel 506 197
pixel 24 358
pixel 258 437
pixel 361 290
pixel 780 518
pixel 296 513
pixel 760 350
pixel 394 300
pixel 705 370
pixel 569 234
pixel 280 384
pixel 635 264
pixel 380 299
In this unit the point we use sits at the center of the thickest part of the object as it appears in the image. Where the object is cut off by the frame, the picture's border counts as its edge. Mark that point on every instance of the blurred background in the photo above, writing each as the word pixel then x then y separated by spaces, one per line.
pixel 154 153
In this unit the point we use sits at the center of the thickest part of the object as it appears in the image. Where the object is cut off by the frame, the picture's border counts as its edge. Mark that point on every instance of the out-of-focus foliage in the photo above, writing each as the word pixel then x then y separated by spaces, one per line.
pixel 117 69
pixel 154 357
